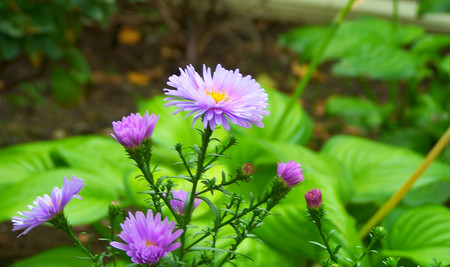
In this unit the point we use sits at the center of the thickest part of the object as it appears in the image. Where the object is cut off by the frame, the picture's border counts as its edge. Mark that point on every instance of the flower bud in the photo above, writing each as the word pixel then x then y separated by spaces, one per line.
pixel 114 209
pixel 248 169
pixel 314 198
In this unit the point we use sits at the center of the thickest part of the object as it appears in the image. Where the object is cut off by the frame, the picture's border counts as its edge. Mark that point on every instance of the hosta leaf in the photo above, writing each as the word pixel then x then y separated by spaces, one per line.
pixel 297 127
pixel 433 6
pixel 355 111
pixel 366 46
pixel 378 170
pixel 420 233
pixel 377 61
pixel 55 257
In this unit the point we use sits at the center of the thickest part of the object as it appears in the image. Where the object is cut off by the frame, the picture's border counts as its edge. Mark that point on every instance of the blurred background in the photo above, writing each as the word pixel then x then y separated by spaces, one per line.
pixel 71 67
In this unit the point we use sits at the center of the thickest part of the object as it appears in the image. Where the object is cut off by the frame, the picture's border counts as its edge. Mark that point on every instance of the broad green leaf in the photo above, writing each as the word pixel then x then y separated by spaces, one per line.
pixel 97 194
pixel 433 6
pixel 355 111
pixel 378 170
pixel 432 43
pixel 262 255
pixel 101 155
pixel 420 233
pixel 408 137
pixel 297 127
pixel 55 257
pixel 21 161
pixel 363 47
pixel 377 61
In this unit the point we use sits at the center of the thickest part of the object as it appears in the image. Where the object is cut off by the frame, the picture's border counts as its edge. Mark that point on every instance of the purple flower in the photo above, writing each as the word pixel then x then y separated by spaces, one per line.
pixel 147 238
pixel 290 173
pixel 47 207
pixel 313 198
pixel 134 129
pixel 179 201
pixel 219 97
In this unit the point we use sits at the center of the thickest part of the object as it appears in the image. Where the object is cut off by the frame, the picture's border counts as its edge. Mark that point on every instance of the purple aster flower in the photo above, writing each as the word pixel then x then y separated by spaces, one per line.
pixel 47 207
pixel 219 97
pixel 147 238
pixel 134 129
pixel 313 198
pixel 179 201
pixel 290 173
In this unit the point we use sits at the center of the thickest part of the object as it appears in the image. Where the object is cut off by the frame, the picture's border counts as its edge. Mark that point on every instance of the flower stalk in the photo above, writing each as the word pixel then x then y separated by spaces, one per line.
pixel 398 196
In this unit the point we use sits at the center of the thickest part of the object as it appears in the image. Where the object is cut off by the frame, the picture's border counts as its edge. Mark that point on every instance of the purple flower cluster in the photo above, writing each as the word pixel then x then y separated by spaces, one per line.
pixel 147 238
pixel 290 173
pixel 178 201
pixel 47 207
pixel 134 129
pixel 218 97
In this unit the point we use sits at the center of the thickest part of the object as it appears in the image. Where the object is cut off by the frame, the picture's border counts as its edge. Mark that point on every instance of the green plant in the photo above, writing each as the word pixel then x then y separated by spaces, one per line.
pixel 349 170
pixel 48 29
pixel 402 56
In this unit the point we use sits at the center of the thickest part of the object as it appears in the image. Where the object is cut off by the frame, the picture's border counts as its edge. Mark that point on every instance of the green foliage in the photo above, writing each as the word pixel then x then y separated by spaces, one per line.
pixel 378 170
pixel 421 234
pixel 364 47
pixel 433 6
pixel 55 257
pixel 355 111
pixel 348 170
pixel 369 48
pixel 49 29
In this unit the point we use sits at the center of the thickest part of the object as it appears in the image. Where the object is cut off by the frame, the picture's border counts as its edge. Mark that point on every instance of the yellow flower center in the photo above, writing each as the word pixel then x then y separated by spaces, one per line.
pixel 148 243
pixel 217 95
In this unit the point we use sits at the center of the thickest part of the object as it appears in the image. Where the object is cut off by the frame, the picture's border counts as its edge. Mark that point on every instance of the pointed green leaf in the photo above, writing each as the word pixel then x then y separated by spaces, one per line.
pixel 420 234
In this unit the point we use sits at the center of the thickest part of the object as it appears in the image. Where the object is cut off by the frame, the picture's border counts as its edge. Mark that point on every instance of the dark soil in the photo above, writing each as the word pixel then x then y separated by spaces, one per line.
pixel 253 49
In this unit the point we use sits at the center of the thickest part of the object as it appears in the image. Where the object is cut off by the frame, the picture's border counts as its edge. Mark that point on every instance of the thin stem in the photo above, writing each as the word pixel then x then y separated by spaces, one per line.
pixel 206 135
pixel 112 239
pixel 368 248
pixel 395 199
pixel 318 223
pixel 61 222
pixel 262 201
pixel 314 62
pixel 395 15
pixel 368 91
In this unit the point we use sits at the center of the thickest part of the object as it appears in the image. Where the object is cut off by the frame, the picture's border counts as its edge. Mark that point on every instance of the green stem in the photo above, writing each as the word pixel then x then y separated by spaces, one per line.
pixel 393 95
pixel 206 135
pixel 112 239
pixel 216 228
pixel 369 247
pixel 61 222
pixel 318 223
pixel 395 15
pixel 314 62
pixel 368 91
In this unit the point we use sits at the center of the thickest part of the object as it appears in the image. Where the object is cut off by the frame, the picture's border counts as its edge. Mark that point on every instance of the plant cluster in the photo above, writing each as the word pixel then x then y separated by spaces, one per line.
pixel 47 31
pixel 411 63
